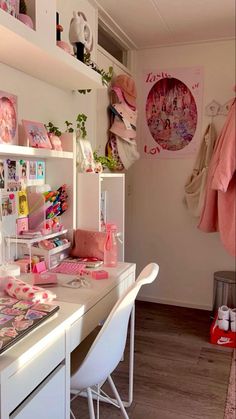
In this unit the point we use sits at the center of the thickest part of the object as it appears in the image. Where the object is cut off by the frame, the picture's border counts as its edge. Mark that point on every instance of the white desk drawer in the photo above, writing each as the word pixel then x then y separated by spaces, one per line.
pixel 32 373
pixel 47 401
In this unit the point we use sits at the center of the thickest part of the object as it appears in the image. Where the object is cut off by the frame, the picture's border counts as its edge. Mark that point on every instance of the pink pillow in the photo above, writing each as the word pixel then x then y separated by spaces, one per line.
pixel 88 244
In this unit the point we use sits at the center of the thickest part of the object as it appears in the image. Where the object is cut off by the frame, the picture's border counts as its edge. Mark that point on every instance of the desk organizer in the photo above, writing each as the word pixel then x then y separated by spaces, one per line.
pixel 53 256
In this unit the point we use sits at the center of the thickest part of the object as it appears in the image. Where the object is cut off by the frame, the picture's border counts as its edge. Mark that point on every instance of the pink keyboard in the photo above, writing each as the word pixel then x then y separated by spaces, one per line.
pixel 69 268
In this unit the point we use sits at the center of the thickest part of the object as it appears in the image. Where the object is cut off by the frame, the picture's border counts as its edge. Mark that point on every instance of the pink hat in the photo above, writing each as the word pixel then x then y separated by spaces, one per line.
pixel 127 85
pixel 118 128
pixel 125 113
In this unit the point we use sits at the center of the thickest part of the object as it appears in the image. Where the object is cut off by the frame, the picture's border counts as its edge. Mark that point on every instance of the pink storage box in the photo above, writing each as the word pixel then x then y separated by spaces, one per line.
pixel 99 274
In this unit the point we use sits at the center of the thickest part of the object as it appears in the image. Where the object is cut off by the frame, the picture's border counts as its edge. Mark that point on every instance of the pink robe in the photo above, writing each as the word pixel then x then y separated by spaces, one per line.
pixel 218 213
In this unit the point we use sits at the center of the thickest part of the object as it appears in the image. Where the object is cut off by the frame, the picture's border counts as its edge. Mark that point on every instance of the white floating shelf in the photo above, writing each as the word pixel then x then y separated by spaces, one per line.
pixel 22 48
pixel 44 153
pixel 29 241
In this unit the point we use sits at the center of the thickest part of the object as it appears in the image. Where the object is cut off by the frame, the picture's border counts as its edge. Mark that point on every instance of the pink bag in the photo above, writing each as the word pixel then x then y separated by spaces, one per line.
pixel 88 244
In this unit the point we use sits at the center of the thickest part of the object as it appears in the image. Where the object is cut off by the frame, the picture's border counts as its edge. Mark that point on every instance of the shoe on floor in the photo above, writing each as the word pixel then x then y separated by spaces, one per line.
pixel 223 318
pixel 232 316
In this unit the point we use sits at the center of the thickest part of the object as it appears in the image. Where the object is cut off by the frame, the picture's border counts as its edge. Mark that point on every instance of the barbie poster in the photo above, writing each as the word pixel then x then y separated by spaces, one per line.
pixel 172 112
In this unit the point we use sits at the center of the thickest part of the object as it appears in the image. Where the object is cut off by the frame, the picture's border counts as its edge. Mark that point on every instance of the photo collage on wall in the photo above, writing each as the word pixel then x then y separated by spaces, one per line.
pixel 17 174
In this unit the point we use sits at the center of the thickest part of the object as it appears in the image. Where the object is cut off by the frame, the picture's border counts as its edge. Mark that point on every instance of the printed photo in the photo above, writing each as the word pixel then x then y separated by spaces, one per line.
pixel 11 170
pixel 2 175
pixel 40 170
pixel 36 134
pixel 23 171
pixel 32 169
pixel 22 204
pixel 8 118
pixel 7 206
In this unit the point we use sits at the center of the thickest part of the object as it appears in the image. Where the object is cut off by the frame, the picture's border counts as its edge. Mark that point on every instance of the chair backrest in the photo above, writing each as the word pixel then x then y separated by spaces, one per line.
pixel 108 347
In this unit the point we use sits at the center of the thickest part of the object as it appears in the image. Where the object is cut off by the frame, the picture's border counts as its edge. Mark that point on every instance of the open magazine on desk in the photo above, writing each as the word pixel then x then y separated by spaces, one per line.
pixel 19 317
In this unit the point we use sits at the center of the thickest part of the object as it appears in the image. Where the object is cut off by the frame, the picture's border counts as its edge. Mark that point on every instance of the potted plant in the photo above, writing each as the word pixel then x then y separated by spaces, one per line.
pixel 107 162
pixel 23 17
pixel 79 128
pixel 54 135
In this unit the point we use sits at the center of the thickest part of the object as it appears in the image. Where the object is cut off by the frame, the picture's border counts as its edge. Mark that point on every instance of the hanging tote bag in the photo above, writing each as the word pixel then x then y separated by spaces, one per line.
pixel 195 187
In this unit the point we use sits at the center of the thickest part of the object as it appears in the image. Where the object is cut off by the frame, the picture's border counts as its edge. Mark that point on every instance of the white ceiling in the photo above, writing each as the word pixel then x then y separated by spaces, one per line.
pixel 152 23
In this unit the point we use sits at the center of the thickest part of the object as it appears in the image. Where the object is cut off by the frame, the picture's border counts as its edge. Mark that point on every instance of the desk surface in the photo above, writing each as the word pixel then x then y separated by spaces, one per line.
pixel 74 303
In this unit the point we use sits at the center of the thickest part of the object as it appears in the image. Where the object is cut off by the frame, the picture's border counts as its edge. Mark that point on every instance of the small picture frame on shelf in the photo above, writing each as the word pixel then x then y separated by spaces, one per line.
pixel 8 118
pixel 36 134
pixel 10 6
pixel 87 161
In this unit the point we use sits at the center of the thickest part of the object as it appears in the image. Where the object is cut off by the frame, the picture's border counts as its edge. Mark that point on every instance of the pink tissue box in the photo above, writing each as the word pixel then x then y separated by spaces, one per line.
pixel 99 274
pixel 45 279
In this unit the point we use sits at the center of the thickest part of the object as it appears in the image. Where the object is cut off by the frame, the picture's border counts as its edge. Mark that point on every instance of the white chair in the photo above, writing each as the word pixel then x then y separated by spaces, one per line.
pixel 107 349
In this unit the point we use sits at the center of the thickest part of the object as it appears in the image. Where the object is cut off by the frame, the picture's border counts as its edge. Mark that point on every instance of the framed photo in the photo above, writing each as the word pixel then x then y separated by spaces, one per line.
pixel 8 118
pixel 10 6
pixel 36 134
pixel 87 160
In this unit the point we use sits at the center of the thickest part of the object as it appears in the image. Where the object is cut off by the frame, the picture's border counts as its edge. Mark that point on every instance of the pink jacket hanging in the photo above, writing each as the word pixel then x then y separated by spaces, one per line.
pixel 219 207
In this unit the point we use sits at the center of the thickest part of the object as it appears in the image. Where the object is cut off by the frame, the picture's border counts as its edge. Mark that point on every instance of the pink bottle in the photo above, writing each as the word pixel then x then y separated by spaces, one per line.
pixel 110 246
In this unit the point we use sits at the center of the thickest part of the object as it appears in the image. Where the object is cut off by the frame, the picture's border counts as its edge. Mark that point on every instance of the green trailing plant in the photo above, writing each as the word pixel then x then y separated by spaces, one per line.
pixel 105 161
pixel 52 129
pixel 106 76
pixel 80 125
pixel 69 126
pixel 23 7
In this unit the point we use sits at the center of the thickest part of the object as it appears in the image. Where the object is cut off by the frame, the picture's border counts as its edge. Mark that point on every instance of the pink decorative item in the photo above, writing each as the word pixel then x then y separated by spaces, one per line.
pixel 22 225
pixel 110 246
pixel 45 279
pixel 36 134
pixel 55 141
pixel 26 20
pixel 10 6
pixel 88 244
pixel 99 274
pixel 39 267
pixel 23 291
pixel 8 118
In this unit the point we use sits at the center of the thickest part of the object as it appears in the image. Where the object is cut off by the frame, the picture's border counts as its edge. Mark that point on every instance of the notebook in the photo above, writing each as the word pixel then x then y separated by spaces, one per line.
pixel 19 317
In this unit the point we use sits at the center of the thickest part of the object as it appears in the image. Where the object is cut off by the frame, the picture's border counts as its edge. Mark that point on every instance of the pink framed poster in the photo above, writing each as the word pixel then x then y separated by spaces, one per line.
pixel 8 118
pixel 36 134
pixel 171 112
pixel 10 6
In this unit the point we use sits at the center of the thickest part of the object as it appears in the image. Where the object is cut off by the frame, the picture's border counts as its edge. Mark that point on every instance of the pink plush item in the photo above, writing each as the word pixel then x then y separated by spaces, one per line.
pixel 88 244
pixel 23 291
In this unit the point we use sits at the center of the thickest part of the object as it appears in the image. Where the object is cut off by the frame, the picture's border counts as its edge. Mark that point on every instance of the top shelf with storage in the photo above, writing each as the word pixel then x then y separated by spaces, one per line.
pixel 35 51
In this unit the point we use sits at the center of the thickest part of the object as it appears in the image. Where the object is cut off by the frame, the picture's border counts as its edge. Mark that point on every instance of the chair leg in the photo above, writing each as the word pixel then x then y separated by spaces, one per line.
pixel 117 396
pixel 90 404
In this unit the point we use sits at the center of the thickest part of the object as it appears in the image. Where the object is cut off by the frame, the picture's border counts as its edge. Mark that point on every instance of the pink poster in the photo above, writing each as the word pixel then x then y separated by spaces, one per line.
pixel 172 112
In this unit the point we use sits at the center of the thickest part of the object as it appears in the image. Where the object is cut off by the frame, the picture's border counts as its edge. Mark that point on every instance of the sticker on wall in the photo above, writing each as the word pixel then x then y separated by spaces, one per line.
pixel 172 112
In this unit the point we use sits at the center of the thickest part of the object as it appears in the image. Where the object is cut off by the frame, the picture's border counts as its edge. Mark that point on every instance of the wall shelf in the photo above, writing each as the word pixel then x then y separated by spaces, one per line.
pixel 24 49
pixel 44 153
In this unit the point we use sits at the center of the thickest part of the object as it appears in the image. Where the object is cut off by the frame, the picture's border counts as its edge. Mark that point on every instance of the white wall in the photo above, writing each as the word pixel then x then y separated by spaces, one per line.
pixel 158 227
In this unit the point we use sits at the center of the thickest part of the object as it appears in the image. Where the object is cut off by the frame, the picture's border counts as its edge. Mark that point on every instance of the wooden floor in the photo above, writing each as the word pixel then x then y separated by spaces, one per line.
pixel 178 374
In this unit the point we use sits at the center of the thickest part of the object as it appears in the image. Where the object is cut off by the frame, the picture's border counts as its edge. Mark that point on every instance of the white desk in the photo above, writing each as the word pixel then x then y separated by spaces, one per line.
pixel 35 373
